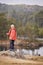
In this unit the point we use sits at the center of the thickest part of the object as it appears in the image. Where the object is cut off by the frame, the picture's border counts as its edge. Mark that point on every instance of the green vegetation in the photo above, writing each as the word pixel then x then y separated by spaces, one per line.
pixel 31 29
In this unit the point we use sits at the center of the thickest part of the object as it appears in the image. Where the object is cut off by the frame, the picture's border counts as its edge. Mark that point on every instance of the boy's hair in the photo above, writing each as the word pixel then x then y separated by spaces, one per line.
pixel 12 25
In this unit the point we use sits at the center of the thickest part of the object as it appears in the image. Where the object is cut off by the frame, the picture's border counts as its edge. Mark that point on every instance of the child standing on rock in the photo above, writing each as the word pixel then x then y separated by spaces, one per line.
pixel 12 36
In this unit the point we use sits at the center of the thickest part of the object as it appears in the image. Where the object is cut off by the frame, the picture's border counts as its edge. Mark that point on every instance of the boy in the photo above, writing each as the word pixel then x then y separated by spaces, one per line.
pixel 12 36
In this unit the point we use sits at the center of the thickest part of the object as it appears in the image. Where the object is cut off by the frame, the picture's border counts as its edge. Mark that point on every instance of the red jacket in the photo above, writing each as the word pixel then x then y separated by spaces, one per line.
pixel 12 34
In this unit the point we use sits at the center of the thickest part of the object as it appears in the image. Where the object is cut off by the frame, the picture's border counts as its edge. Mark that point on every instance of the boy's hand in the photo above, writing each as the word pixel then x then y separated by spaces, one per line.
pixel 7 33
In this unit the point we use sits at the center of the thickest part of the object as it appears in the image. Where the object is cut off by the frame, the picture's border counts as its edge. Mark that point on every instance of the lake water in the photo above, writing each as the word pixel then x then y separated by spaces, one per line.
pixel 36 51
pixel 26 52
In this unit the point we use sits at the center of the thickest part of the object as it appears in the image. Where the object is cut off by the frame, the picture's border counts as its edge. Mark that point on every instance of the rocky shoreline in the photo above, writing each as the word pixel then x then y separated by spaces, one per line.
pixel 6 58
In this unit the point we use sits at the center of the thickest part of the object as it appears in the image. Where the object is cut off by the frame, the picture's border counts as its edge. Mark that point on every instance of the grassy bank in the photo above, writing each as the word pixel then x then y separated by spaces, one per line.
pixel 13 61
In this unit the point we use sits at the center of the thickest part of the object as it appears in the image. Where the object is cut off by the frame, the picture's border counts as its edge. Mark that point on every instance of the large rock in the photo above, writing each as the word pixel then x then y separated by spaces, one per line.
pixel 15 54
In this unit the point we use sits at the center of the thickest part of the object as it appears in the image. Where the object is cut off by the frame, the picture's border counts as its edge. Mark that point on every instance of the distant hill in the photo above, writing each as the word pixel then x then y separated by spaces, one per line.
pixel 23 13
pixel 20 8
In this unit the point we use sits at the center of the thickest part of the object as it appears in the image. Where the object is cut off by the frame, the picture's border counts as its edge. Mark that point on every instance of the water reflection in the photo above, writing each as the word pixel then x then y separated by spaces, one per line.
pixel 36 51
pixel 40 51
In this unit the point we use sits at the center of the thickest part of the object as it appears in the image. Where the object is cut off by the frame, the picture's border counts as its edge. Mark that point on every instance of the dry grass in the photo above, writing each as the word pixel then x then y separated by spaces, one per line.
pixel 4 60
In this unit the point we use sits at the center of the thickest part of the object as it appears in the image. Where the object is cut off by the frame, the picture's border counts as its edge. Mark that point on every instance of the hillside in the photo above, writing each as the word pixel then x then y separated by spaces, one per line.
pixel 28 19
pixel 20 8
pixel 23 13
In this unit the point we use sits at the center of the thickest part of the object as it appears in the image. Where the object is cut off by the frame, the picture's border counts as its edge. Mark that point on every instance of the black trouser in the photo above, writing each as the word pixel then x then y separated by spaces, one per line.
pixel 11 44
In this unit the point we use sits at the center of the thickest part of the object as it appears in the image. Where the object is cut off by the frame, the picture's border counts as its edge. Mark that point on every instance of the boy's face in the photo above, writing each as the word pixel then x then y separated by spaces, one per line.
pixel 12 27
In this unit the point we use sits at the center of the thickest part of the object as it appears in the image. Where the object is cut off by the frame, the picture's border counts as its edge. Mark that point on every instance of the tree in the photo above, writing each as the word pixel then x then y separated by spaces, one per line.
pixel 32 31
pixel 3 26
pixel 41 32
